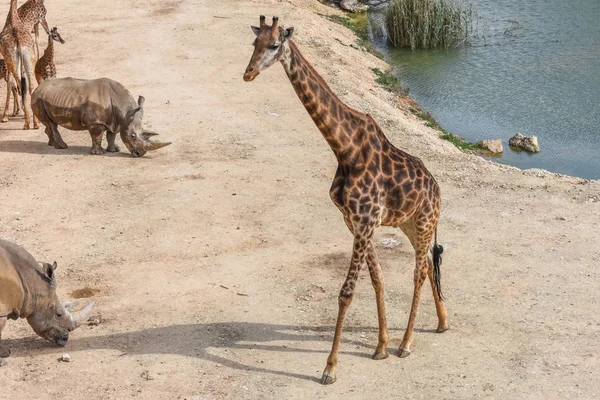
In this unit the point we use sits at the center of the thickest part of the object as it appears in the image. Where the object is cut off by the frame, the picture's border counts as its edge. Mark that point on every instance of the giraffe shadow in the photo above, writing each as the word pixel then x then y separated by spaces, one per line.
pixel 32 147
pixel 205 341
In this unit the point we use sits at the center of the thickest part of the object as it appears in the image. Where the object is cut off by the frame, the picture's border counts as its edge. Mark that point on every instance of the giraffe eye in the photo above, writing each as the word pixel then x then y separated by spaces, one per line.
pixel 274 47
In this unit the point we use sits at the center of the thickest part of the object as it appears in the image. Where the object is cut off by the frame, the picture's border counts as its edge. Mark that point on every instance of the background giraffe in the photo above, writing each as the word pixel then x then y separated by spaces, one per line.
pixel 376 184
pixel 16 46
pixel 45 67
pixel 33 13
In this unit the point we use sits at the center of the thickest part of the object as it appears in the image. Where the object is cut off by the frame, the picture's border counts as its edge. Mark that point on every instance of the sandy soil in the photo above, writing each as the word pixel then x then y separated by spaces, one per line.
pixel 216 262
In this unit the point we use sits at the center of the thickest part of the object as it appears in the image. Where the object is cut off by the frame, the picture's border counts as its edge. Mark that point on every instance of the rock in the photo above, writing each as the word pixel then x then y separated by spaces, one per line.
pixel 64 358
pixel 353 6
pixel 3 362
pixel 527 143
pixel 494 146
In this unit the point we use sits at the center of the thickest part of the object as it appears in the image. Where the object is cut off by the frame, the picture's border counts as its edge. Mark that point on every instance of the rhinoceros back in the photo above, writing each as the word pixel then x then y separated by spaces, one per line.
pixel 75 103
pixel 11 287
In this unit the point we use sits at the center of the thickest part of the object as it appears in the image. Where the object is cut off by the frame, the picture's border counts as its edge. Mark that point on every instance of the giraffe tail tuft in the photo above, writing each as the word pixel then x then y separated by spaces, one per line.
pixel 437 262
pixel 23 90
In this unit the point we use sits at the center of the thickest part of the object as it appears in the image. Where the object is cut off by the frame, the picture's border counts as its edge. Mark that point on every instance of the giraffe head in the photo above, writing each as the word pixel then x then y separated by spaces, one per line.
pixel 268 47
pixel 55 35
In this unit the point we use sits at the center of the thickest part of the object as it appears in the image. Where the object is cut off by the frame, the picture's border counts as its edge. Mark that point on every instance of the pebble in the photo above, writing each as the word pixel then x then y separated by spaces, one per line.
pixel 65 358
pixel 3 362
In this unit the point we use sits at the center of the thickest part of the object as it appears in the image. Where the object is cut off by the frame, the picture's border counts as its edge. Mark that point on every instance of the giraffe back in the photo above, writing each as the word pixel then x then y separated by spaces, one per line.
pixel 31 12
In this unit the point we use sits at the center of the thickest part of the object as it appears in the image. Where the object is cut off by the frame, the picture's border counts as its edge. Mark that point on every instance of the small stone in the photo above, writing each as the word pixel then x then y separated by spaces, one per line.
pixel 527 143
pixel 3 362
pixel 64 358
pixel 494 146
pixel 353 6
pixel 94 321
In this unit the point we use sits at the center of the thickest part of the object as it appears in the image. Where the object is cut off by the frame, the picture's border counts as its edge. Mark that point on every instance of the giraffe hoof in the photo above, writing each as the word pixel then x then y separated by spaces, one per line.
pixel 403 353
pixel 441 329
pixel 380 355
pixel 5 119
pixel 327 378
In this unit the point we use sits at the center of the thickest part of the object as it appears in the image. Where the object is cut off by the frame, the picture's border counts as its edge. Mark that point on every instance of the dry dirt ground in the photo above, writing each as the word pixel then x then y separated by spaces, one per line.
pixel 217 261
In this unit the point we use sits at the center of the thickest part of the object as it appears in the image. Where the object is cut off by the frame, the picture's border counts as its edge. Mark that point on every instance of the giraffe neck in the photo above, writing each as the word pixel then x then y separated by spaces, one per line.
pixel 13 17
pixel 328 112
pixel 49 52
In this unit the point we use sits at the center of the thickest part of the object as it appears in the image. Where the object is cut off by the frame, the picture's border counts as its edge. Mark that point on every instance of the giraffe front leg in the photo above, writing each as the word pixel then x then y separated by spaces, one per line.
pixel 344 301
pixel 8 90
pixel 377 281
pixel 419 277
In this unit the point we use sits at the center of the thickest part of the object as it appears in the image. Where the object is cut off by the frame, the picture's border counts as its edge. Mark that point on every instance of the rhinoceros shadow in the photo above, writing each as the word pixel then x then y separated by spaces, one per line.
pixel 41 147
pixel 197 340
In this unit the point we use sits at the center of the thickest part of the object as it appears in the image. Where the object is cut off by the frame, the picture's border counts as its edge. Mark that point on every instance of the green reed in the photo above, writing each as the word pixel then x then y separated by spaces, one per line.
pixel 428 24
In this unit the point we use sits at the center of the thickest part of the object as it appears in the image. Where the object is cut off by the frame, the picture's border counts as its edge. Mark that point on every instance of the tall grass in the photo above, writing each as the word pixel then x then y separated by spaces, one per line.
pixel 428 24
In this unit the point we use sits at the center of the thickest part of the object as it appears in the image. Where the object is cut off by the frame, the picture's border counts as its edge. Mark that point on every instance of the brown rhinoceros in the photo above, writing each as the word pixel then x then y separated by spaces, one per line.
pixel 98 106
pixel 29 291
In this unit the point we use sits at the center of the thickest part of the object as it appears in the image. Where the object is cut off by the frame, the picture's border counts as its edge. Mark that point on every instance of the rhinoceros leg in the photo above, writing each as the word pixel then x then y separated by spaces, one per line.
pixel 58 141
pixel 96 132
pixel 50 135
pixel 110 138
pixel 4 351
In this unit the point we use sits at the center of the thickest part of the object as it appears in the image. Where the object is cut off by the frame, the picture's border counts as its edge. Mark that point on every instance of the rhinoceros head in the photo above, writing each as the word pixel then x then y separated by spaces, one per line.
pixel 133 134
pixel 50 318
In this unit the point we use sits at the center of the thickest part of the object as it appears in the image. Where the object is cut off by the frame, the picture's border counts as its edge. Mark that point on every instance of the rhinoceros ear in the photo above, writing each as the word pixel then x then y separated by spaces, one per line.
pixel 49 269
pixel 131 114
pixel 141 101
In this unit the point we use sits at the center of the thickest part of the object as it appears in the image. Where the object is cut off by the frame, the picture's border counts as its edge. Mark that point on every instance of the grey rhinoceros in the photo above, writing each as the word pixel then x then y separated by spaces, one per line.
pixel 98 106
pixel 28 290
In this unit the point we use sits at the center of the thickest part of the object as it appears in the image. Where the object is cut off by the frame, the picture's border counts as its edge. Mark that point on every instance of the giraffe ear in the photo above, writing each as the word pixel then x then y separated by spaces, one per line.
pixel 255 29
pixel 289 32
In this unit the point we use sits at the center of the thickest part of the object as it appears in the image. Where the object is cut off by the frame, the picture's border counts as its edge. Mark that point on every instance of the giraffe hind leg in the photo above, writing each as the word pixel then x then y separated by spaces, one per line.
pixel 420 234
pixel 439 302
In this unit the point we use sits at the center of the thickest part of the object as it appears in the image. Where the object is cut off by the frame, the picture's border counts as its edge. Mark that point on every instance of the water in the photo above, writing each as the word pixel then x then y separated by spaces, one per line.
pixel 534 68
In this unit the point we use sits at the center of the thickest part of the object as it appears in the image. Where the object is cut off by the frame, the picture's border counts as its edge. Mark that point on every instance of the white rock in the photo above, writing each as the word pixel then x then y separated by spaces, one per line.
pixel 65 358
pixel 527 143
pixel 494 146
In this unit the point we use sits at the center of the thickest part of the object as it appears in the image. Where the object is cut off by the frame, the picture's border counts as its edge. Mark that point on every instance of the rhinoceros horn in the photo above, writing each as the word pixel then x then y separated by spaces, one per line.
pixel 80 316
pixel 149 145
pixel 148 134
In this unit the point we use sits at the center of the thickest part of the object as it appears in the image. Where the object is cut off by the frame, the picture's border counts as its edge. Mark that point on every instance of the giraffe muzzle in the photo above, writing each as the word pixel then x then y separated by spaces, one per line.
pixel 250 74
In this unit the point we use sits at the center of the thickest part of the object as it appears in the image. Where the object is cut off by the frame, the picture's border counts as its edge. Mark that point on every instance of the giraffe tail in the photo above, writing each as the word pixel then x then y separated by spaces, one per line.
pixel 437 262
pixel 23 90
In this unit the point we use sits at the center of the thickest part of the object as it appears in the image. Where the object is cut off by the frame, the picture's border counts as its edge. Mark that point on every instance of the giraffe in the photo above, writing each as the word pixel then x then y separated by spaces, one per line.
pixel 32 14
pixel 16 46
pixel 375 184
pixel 45 67
pixel 13 87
